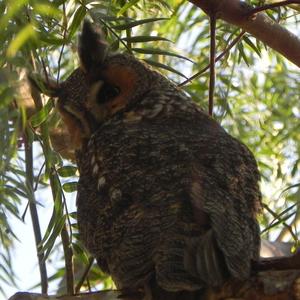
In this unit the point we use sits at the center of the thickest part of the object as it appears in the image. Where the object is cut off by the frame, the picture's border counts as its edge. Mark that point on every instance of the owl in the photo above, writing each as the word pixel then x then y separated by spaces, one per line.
pixel 167 199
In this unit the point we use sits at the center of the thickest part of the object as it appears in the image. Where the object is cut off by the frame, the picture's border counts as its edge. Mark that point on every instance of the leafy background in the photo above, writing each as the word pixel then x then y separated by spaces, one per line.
pixel 256 100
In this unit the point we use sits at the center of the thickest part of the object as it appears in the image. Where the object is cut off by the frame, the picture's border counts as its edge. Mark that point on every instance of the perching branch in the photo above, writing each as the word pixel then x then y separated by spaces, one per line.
pixel 276 285
pixel 278 263
pixel 262 27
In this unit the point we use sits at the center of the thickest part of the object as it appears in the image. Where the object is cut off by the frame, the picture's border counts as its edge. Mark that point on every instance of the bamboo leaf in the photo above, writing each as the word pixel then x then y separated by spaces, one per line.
pixel 243 55
pixel 165 67
pixel 56 214
pixel 47 10
pixel 274 224
pixel 21 38
pixel 67 171
pixel 55 233
pixel 70 187
pixel 132 24
pixel 77 19
pixel 42 115
pixel 144 39
pixel 126 7
pixel 250 43
pixel 156 51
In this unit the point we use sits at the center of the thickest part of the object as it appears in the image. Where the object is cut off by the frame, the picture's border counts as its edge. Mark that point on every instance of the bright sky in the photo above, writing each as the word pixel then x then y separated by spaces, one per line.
pixel 24 256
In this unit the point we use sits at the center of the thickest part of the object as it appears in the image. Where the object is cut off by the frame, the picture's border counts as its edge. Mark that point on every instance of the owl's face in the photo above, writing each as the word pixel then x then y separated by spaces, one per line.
pixel 105 84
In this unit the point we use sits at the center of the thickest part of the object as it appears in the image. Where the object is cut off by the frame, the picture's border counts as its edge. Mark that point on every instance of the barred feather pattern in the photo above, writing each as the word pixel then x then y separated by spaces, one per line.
pixel 166 193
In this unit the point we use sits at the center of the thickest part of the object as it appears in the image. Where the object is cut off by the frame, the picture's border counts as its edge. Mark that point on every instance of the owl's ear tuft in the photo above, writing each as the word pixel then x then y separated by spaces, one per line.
pixel 92 47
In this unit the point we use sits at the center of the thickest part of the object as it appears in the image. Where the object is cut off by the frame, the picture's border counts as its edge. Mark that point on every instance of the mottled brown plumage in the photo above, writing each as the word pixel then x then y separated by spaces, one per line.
pixel 167 200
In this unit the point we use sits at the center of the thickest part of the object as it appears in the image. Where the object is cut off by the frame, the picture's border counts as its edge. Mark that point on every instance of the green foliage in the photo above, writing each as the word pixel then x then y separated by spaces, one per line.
pixel 256 100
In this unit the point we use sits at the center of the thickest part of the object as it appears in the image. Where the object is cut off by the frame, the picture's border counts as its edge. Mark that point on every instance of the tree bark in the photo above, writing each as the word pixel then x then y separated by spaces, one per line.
pixel 259 25
pixel 273 285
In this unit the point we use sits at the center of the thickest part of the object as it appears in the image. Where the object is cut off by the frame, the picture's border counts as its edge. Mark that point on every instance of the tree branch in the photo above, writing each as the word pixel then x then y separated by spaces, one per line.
pixel 261 26
pixel 271 6
pixel 276 285
pixel 278 263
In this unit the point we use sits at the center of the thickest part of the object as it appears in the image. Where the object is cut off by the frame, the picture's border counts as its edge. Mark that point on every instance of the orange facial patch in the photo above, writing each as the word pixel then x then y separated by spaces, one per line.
pixel 126 79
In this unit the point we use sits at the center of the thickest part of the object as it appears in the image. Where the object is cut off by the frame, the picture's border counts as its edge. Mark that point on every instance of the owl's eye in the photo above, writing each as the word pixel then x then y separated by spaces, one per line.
pixel 107 92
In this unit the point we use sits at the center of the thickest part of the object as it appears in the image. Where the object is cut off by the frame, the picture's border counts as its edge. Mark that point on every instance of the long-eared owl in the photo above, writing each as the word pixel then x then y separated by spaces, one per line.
pixel 167 200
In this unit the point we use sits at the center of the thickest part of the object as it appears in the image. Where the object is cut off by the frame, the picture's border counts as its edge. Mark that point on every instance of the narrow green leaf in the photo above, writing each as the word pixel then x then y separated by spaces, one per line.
pixel 156 51
pixel 55 233
pixel 295 167
pixel 21 38
pixel 67 171
pixel 242 53
pixel 250 43
pixel 144 39
pixel 56 214
pixel 126 7
pixel 77 20
pixel 13 8
pixel 14 190
pixel 46 10
pixel 78 250
pixel 73 215
pixel 274 224
pixel 132 24
pixel 162 66
pixel 51 39
pixel 41 116
pixel 70 187
pixel 290 187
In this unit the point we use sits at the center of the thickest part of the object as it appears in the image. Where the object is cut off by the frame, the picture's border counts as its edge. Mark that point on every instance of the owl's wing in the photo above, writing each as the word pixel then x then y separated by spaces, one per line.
pixel 170 201
pixel 225 187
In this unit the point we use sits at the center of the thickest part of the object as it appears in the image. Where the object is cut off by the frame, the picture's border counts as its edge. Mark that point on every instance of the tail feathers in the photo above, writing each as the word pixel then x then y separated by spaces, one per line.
pixel 204 260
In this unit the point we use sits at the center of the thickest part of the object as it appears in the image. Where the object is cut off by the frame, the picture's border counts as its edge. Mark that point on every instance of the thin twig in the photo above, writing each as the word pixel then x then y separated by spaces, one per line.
pixel 84 275
pixel 277 217
pixel 34 214
pixel 271 6
pixel 38 177
pixel 65 26
pixel 212 62
pixel 45 70
pixel 65 204
pixel 231 45
pixel 285 230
